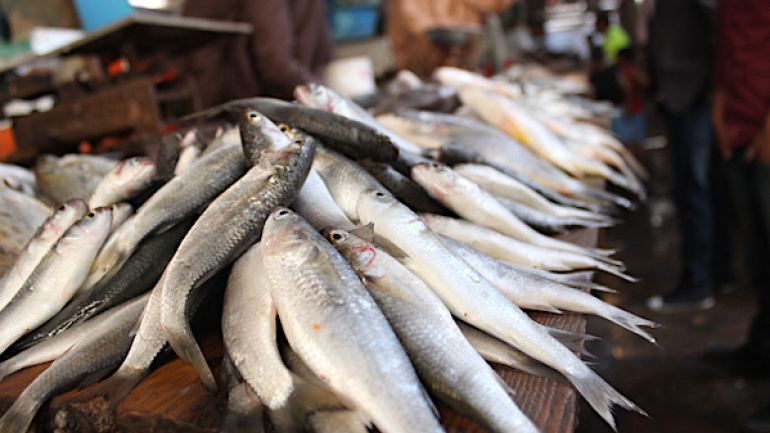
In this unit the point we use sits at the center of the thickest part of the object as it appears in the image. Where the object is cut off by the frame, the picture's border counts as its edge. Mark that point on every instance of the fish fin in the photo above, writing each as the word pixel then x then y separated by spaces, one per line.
pixel 505 386
pixel 430 401
pixel 631 322
pixel 390 248
pixel 114 389
pixel 364 232
pixel 545 307
pixel 572 340
pixel 20 415
pixel 617 272
pixel 601 396
pixel 184 345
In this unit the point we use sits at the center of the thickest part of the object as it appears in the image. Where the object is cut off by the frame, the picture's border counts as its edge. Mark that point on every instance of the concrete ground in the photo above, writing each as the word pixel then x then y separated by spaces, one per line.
pixel 680 392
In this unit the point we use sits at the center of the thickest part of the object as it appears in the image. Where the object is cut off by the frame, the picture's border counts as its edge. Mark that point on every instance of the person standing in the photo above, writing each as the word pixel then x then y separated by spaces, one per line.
pixel 290 44
pixel 742 122
pixel 681 55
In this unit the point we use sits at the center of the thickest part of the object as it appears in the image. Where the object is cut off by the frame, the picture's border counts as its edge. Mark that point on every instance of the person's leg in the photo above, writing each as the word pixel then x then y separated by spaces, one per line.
pixel 691 143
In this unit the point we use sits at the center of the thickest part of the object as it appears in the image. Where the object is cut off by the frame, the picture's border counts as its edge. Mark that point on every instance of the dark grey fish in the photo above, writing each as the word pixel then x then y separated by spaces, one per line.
pixel 230 224
pixel 351 137
pixel 181 197
pixel 87 361
pixel 404 188
pixel 259 135
pixel 138 275
pixel 168 155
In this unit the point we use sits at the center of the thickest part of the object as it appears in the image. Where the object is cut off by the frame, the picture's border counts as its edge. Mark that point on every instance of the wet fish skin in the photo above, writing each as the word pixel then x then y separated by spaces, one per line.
pixel 94 355
pixel 140 273
pixel 544 222
pixel 179 198
pixel 54 347
pixel 168 155
pixel 335 326
pixel 245 413
pixel 344 178
pixel 229 225
pixel 258 135
pixel 45 291
pixel 473 299
pixel 130 177
pixel 120 213
pixel 469 201
pixel 321 97
pixel 361 140
pixel 249 330
pixel 317 206
pixel 443 358
pixel 45 238
pixel 404 188
pixel 494 350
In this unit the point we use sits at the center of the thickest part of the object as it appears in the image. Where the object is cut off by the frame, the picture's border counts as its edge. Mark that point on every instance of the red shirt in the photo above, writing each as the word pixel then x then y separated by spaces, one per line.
pixel 743 66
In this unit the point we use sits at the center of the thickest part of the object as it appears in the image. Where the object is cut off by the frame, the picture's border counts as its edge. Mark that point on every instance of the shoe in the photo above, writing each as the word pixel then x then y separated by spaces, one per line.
pixel 743 361
pixel 680 301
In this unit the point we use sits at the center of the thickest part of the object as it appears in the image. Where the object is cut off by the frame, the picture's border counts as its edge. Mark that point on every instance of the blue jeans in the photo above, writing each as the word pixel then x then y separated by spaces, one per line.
pixel 749 186
pixel 706 252
pixel 630 128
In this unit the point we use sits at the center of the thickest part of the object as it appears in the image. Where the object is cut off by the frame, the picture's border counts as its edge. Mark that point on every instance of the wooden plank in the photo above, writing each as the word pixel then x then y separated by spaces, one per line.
pixel 172 399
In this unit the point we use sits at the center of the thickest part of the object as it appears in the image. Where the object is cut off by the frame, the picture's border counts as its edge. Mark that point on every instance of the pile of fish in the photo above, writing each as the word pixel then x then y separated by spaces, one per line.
pixel 396 253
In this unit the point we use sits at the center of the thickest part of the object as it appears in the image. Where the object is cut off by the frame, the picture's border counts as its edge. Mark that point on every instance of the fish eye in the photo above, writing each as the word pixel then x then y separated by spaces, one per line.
pixel 253 115
pixel 90 214
pixel 336 236
pixel 298 141
pixel 283 127
pixel 378 194
pixel 283 213
pixel 62 207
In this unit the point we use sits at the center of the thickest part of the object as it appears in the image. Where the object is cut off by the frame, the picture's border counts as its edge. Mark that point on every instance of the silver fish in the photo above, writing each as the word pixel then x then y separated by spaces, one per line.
pixel 474 204
pixel 229 225
pixel 120 213
pixel 344 178
pixel 335 326
pixel 512 250
pixel 88 360
pixel 316 205
pixel 56 278
pixel 245 413
pixel 58 345
pixel 18 178
pixel 127 179
pixel 249 330
pixel 473 299
pixel 45 238
pixel 61 179
pixel 20 217
pixel 180 197
pixel 443 358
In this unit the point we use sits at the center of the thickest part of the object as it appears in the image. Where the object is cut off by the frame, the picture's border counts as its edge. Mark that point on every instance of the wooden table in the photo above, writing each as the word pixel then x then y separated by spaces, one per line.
pixel 172 399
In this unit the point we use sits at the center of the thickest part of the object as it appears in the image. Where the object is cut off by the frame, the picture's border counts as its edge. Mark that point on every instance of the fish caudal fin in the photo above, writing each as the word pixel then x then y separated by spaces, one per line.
pixel 631 322
pixel 19 416
pixel 601 395
pixel 114 389
pixel 185 346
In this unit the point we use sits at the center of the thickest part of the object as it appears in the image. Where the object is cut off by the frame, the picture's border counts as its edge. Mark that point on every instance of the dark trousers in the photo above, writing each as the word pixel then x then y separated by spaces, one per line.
pixel 749 186
pixel 706 254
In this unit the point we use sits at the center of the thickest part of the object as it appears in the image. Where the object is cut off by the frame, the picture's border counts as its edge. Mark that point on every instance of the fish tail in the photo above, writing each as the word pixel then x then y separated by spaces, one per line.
pixel 572 340
pixel 609 197
pixel 583 280
pixel 601 395
pixel 19 416
pixel 614 270
pixel 631 322
pixel 185 346
pixel 114 389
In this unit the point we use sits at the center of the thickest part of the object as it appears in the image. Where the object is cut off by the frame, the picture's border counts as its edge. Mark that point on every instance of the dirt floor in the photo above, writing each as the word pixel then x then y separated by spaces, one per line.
pixel 679 390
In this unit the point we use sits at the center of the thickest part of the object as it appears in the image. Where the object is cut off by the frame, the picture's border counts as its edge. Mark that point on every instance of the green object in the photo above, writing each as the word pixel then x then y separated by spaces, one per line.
pixel 615 40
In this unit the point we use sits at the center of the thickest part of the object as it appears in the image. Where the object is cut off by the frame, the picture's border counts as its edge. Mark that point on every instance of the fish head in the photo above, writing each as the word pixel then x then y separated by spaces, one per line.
pixel 438 179
pixel 374 203
pixel 92 227
pixel 358 252
pixel 258 130
pixel 194 137
pixel 281 227
pixel 139 171
pixel 64 217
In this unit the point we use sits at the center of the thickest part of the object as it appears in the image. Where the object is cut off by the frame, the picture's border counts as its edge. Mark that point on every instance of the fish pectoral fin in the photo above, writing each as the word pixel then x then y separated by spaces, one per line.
pixel 390 248
pixel 364 232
